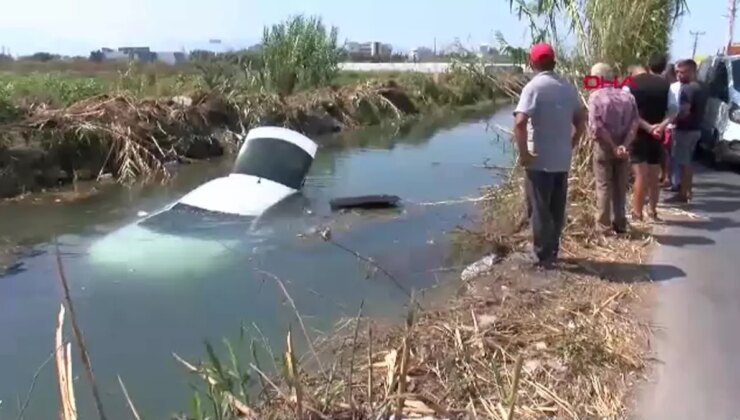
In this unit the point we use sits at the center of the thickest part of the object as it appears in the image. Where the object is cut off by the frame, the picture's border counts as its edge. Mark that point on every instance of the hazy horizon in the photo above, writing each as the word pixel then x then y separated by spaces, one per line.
pixel 173 25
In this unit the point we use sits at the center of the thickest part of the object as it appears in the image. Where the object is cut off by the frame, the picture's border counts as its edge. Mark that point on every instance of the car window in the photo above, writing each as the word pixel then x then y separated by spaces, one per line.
pixel 736 74
pixel 274 159
pixel 719 82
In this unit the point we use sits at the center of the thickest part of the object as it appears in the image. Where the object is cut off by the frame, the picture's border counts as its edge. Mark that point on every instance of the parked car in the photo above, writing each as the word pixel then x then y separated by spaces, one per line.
pixel 721 127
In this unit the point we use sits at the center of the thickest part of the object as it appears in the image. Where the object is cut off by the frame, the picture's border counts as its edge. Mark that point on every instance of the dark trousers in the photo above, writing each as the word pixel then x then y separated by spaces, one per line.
pixel 547 193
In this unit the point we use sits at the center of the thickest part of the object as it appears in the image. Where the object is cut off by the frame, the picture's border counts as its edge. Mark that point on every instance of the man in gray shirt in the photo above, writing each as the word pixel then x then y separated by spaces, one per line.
pixel 552 107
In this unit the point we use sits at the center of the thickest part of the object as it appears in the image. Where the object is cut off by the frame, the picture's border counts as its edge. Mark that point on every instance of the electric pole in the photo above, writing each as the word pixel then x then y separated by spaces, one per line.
pixel 731 23
pixel 696 36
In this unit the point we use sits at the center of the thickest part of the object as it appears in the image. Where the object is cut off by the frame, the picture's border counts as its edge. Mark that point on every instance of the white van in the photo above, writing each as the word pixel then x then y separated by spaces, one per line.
pixel 721 126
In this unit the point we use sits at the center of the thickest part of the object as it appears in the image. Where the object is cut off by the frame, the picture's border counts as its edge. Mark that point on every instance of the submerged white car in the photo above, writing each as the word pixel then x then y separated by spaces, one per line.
pixel 721 126
pixel 193 232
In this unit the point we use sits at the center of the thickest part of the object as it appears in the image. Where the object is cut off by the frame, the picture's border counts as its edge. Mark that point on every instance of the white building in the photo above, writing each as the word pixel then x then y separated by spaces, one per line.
pixel 369 49
pixel 171 58
pixel 113 55
pixel 353 47
pixel 421 54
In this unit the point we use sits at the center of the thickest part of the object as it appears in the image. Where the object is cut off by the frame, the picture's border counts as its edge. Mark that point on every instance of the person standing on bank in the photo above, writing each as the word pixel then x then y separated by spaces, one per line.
pixel 693 102
pixel 613 121
pixel 551 105
pixel 651 92
pixel 669 178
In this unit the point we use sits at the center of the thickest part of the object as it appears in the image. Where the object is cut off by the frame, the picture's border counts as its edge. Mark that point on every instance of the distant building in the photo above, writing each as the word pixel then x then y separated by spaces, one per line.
pixel 113 55
pixel 486 51
pixel 171 58
pixel 143 54
pixel 421 54
pixel 455 48
pixel 369 49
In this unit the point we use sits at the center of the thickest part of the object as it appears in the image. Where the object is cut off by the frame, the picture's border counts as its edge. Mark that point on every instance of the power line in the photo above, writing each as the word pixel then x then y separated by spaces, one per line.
pixel 696 36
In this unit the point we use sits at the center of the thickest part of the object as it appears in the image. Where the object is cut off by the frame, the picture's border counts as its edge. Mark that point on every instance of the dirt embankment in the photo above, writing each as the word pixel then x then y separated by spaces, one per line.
pixel 126 138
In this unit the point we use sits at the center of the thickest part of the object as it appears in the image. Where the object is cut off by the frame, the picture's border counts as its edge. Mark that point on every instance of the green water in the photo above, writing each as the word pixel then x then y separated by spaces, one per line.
pixel 170 293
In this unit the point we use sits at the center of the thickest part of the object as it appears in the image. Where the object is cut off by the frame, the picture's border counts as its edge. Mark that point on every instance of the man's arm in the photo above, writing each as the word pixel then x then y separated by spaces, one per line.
pixel 646 125
pixel 579 122
pixel 524 109
pixel 521 134
pixel 632 133
pixel 605 138
pixel 671 114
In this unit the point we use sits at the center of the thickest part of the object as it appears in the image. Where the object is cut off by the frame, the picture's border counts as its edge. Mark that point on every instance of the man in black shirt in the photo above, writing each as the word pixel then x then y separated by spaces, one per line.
pixel 651 92
pixel 693 102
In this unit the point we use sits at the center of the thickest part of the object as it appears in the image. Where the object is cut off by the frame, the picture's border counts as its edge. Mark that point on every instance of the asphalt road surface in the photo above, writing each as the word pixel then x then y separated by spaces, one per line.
pixel 697 316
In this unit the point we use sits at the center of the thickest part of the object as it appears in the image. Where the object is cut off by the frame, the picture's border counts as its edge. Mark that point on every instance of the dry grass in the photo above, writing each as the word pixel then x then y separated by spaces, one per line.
pixel 518 344
pixel 137 136
pixel 134 138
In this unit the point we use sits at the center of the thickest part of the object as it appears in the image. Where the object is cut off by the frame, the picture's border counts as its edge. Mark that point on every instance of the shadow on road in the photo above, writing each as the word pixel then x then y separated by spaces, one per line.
pixel 622 272
pixel 683 240
pixel 714 224
pixel 716 206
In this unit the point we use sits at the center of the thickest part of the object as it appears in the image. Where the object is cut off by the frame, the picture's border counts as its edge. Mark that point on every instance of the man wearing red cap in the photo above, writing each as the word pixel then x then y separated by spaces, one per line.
pixel 549 107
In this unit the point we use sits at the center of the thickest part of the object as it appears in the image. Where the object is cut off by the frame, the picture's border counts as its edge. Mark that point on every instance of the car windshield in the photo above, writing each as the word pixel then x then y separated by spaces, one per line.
pixel 274 159
pixel 736 74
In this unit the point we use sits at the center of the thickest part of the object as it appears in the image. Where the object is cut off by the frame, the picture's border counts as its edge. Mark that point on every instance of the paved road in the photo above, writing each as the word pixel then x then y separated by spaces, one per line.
pixel 698 309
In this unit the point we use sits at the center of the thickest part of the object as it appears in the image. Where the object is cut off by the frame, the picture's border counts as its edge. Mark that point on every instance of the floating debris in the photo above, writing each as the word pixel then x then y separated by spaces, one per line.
pixel 365 201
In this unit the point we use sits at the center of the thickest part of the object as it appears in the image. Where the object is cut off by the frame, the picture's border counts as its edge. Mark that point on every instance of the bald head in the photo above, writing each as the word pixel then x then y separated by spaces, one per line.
pixel 602 70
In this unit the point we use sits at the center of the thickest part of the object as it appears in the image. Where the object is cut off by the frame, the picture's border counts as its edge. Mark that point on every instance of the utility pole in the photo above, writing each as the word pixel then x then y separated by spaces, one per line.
pixel 696 36
pixel 731 23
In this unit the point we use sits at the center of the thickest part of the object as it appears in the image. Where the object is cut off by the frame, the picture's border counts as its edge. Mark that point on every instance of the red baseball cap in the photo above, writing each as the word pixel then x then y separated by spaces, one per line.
pixel 541 51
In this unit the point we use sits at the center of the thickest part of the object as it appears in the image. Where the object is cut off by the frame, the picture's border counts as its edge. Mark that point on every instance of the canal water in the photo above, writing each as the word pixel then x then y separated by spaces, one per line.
pixel 142 294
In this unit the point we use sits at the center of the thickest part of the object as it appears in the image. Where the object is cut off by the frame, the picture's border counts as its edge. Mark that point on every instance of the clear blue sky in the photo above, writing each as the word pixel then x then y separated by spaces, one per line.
pixel 78 26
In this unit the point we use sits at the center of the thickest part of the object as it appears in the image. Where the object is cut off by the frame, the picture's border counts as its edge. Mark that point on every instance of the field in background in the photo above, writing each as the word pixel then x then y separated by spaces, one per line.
pixel 61 83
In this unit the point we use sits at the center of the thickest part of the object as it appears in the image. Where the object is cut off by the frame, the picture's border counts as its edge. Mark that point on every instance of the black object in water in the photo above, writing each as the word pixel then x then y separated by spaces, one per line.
pixel 365 201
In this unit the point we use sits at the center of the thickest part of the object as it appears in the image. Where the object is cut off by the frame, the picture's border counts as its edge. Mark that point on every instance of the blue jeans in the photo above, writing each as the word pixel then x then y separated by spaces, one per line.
pixel 675 173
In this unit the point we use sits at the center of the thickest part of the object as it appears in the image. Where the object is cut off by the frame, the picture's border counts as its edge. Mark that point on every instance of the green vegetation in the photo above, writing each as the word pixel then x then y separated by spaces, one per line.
pixel 299 53
pixel 619 32
pixel 57 85
pixel 91 117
